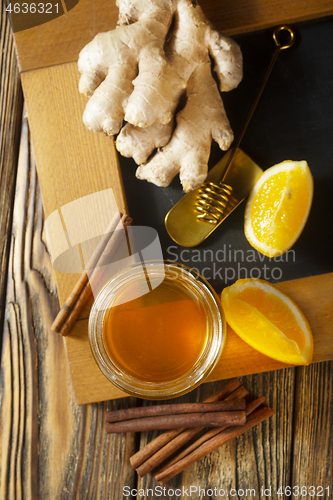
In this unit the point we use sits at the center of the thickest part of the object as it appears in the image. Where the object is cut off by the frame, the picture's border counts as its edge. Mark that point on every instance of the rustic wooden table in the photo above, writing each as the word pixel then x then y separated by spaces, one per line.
pixel 53 449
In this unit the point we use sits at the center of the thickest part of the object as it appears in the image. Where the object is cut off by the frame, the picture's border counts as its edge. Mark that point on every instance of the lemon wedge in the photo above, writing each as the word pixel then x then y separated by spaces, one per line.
pixel 268 320
pixel 278 207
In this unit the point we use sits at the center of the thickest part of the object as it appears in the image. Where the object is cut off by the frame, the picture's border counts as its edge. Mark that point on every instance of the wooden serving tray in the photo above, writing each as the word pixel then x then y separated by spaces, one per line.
pixel 73 162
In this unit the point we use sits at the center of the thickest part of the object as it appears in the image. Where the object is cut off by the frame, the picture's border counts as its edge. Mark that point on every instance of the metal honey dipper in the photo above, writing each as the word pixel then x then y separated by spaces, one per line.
pixel 201 211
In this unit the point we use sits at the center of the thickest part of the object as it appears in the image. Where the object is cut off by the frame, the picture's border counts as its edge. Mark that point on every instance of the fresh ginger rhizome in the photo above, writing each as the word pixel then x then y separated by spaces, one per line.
pixel 160 54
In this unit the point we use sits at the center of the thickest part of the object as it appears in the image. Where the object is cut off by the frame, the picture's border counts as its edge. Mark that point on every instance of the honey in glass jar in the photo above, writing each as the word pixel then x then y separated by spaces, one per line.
pixel 157 330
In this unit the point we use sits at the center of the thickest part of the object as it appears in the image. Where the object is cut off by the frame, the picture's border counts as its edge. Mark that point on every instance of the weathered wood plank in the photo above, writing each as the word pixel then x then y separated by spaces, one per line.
pixel 10 118
pixel 260 458
pixel 50 448
pixel 313 424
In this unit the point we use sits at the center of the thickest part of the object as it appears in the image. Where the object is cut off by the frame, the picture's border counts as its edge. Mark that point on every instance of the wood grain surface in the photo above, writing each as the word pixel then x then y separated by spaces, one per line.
pixel 11 103
pixel 47 44
pixel 52 448
pixel 312 427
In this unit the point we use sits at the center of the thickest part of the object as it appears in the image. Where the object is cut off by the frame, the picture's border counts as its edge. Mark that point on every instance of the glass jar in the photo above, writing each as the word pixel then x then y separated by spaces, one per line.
pixel 157 330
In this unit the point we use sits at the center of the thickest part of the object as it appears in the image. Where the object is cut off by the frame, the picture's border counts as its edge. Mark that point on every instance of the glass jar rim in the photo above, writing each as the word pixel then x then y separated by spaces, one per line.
pixel 216 331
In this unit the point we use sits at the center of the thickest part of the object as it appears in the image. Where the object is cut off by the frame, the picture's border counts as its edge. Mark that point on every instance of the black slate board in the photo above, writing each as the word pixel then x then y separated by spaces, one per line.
pixel 294 120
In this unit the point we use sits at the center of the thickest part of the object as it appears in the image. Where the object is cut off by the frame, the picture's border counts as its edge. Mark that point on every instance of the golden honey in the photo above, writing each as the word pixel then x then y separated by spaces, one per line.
pixel 159 335
pixel 156 330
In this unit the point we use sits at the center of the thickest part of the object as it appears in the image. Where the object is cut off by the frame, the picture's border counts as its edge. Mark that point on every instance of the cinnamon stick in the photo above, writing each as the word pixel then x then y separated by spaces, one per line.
pixel 69 312
pixel 160 441
pixel 211 419
pixel 214 443
pixel 176 442
pixel 208 435
pixel 173 409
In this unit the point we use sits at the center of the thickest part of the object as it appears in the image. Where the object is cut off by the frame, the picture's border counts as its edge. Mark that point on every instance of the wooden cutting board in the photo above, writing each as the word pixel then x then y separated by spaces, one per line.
pixel 73 162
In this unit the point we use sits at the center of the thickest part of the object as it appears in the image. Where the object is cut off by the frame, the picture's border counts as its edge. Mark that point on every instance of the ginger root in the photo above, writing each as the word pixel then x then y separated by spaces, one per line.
pixel 154 72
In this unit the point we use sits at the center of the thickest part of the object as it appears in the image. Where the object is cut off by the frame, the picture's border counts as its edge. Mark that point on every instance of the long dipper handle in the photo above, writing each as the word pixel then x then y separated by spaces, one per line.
pixel 279 46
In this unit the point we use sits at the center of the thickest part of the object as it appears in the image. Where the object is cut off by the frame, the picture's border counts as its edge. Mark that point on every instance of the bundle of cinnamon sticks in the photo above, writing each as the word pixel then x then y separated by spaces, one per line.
pixel 226 415
pixel 82 290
